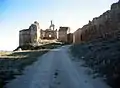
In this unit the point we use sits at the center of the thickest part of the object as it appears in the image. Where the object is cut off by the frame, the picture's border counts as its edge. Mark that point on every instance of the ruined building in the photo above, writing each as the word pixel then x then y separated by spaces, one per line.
pixel 30 35
pixel 35 36
pixel 70 38
pixel 63 34
pixel 50 33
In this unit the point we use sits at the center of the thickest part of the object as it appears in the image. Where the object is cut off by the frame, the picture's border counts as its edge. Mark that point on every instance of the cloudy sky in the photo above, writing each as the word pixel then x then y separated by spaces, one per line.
pixel 20 14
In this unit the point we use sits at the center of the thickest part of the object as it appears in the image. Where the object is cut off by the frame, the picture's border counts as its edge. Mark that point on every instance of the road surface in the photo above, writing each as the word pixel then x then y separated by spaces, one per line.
pixel 55 69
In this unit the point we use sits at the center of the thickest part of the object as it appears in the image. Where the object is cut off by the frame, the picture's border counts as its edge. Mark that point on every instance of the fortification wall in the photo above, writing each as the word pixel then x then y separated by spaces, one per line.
pixel 105 26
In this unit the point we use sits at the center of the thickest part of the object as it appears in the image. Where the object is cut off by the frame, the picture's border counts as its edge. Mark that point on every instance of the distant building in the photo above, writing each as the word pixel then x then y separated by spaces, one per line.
pixel 49 33
pixel 62 34
pixel 29 36
pixel 34 35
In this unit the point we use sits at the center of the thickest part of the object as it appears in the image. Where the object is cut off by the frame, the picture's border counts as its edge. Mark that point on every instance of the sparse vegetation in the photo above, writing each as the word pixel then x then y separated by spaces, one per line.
pixel 103 56
pixel 13 63
pixel 45 46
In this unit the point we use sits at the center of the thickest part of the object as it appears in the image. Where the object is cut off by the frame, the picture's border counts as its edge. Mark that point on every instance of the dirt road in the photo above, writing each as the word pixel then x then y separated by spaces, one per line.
pixel 55 69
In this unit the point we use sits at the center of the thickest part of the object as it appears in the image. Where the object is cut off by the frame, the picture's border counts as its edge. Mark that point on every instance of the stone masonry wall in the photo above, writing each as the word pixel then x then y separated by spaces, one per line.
pixel 105 26
pixel 29 36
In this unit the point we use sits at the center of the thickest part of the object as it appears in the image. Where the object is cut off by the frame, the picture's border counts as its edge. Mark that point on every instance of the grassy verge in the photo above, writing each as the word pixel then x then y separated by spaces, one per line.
pixel 13 63
pixel 103 57
pixel 46 46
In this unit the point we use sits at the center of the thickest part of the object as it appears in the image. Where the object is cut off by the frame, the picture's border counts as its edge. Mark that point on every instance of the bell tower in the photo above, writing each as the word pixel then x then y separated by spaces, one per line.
pixel 52 26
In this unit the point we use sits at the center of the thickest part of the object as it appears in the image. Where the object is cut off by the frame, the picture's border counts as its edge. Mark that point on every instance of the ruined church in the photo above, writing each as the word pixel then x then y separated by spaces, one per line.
pixel 35 36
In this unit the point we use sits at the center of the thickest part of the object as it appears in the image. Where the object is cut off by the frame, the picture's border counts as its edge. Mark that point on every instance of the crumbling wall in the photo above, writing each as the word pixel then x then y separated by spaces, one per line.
pixel 62 34
pixel 77 36
pixel 35 32
pixel 105 26
pixel 24 37
pixel 30 36
pixel 70 38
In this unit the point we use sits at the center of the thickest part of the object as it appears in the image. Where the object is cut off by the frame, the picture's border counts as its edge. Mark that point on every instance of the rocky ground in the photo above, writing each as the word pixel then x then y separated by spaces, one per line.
pixel 103 56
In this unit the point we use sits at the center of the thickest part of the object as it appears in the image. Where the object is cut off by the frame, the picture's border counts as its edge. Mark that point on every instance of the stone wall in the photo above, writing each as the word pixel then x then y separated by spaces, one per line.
pixel 48 34
pixel 30 36
pixel 62 34
pixel 105 26
pixel 76 36
pixel 24 37
pixel 35 33
pixel 35 36
pixel 70 38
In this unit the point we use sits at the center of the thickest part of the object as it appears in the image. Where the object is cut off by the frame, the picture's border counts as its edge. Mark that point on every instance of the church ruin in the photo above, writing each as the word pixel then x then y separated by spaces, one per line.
pixel 35 36
pixel 50 33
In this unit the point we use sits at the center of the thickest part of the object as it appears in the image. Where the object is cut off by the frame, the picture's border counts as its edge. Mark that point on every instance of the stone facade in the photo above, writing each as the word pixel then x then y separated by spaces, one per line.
pixel 70 38
pixel 76 36
pixel 24 37
pixel 34 35
pixel 62 34
pixel 105 26
pixel 29 36
pixel 48 34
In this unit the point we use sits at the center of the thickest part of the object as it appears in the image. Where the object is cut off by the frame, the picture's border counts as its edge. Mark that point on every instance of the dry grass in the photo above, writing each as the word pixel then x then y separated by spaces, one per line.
pixel 4 53
pixel 12 63
pixel 103 57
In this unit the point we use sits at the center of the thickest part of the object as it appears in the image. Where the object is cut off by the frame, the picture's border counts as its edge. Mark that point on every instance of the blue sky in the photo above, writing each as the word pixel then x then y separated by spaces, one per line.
pixel 20 14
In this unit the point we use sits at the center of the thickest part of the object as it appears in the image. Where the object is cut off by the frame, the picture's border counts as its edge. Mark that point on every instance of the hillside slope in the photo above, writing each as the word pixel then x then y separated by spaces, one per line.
pixel 103 56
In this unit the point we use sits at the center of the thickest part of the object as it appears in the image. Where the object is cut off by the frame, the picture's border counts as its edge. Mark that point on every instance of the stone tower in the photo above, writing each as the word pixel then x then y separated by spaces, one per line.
pixel 35 33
